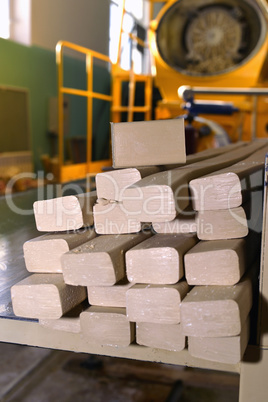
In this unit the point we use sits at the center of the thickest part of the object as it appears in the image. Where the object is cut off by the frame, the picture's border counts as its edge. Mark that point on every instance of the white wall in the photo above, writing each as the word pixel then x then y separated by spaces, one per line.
pixel 20 21
pixel 84 22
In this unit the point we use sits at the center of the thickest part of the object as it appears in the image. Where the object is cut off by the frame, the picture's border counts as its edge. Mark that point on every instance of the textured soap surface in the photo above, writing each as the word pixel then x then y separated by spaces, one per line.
pixel 148 143
pixel 107 326
pixel 45 296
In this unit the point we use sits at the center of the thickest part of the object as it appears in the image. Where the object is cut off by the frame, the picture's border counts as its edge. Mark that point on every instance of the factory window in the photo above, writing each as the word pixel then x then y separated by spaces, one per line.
pixel 4 19
pixel 134 20
pixel 15 20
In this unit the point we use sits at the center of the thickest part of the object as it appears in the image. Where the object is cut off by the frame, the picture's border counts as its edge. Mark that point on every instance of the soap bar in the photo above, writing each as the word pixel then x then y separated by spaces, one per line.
pixel 43 254
pixel 159 304
pixel 229 187
pixel 107 326
pixel 45 296
pixel 218 262
pixel 161 336
pixel 159 259
pixel 222 224
pixel 70 212
pixel 111 218
pixel 148 143
pixel 110 185
pixel 109 296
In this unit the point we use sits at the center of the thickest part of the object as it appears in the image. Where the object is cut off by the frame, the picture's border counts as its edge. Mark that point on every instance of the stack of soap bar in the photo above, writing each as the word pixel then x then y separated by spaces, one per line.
pixel 164 195
pixel 136 278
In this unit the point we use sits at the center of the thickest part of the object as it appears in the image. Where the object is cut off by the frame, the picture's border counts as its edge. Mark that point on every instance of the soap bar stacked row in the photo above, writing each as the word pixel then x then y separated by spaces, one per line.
pixel 54 295
pixel 222 267
pixel 185 274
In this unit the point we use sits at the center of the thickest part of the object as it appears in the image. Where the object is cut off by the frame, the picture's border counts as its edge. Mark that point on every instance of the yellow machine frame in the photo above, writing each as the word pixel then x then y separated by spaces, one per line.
pixel 251 74
pixel 253 110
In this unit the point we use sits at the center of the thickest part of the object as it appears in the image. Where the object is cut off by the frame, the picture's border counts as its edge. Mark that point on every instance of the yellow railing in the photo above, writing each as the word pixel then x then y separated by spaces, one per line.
pixel 67 172
pixel 78 170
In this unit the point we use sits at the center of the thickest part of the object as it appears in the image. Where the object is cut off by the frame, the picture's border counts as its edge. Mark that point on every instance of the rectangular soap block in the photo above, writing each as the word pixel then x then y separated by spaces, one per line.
pixel 148 143
pixel 111 218
pixel 222 224
pixel 159 259
pixel 217 262
pixel 109 296
pixel 110 185
pixel 70 212
pixel 45 296
pixel 43 254
pixel 107 326
pixel 229 187
pixel 161 336
pixel 159 304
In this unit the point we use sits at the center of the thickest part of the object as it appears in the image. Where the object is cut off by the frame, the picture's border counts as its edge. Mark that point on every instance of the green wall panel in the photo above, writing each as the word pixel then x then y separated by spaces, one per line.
pixel 35 69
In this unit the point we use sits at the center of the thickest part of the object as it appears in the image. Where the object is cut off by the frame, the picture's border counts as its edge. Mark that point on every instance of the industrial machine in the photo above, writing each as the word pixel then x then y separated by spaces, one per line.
pixel 214 44
pixel 218 48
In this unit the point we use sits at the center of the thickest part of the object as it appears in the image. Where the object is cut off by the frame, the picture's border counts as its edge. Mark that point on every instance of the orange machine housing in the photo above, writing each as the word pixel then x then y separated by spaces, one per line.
pixel 213 43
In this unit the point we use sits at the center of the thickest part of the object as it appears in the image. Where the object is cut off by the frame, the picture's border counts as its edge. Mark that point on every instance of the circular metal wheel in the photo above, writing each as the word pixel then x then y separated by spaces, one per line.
pixel 209 37
pixel 213 39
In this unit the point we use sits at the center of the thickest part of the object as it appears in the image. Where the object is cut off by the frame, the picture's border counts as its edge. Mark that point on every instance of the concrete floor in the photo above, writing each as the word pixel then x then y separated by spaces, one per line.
pixel 29 374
